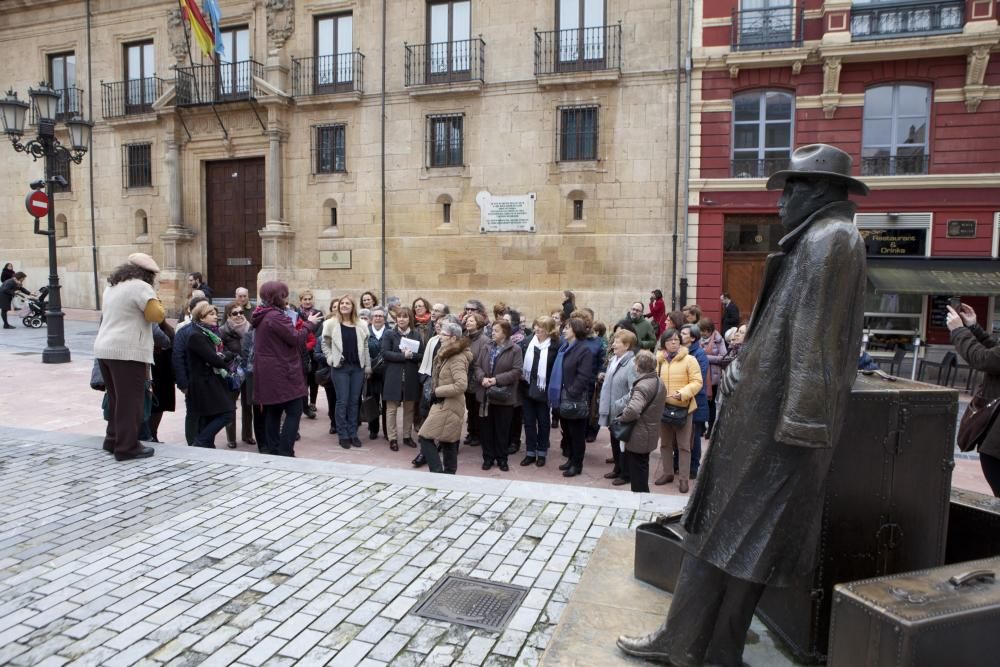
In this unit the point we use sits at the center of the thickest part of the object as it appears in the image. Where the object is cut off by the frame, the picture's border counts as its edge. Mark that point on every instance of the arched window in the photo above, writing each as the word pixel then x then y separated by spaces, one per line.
pixel 62 227
pixel 762 132
pixel 444 201
pixel 141 223
pixel 895 130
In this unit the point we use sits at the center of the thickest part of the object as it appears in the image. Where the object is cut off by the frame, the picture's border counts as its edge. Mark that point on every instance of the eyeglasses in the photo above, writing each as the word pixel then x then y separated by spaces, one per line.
pixel 470 308
pixel 236 313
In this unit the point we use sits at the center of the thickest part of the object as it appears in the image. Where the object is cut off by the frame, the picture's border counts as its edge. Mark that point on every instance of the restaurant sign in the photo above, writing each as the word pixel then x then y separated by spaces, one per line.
pixel 895 242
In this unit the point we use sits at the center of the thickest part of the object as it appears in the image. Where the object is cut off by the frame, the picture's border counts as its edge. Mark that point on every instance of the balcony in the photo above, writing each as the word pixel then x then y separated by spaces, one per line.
pixel 328 75
pixel 757 168
pixel 579 50
pixel 70 104
pixel 895 165
pixel 446 64
pixel 766 29
pixel 215 84
pixel 906 19
pixel 134 97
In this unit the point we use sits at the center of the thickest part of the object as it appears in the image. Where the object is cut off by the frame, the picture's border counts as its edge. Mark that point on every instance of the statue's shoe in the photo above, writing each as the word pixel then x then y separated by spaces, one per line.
pixel 648 647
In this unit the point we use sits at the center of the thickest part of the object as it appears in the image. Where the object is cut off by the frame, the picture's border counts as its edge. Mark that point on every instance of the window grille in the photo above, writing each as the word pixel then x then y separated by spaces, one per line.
pixel 137 165
pixel 578 133
pixel 445 140
pixel 60 167
pixel 329 152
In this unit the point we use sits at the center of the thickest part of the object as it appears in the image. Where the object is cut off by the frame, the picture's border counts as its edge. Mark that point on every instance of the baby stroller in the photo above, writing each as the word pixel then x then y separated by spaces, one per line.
pixel 33 315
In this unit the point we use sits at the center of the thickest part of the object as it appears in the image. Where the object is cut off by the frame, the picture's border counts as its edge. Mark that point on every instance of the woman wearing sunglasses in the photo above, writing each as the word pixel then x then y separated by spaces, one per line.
pixel 232 333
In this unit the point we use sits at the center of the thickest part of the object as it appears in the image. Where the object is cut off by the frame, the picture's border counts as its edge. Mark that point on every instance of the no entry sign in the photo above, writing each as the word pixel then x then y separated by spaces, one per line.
pixel 37 203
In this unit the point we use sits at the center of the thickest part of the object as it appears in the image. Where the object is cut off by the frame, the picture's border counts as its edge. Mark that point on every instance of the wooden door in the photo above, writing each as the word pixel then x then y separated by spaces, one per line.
pixel 742 277
pixel 234 191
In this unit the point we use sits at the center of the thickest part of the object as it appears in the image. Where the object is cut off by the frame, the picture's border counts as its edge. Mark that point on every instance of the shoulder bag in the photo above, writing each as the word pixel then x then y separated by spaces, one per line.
pixel 570 408
pixel 499 395
pixel 622 431
pixel 674 415
pixel 976 421
pixel 369 409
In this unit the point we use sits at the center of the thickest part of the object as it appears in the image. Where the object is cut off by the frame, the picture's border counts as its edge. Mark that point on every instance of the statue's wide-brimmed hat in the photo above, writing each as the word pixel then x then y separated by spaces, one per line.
pixel 815 161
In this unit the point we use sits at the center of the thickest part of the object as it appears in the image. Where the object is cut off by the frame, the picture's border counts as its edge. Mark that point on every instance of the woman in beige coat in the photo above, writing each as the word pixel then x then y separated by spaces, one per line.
pixel 681 374
pixel 450 377
pixel 645 404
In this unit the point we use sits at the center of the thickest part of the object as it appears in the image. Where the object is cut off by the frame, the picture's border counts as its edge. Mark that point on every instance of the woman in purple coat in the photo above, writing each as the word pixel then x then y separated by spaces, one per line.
pixel 281 384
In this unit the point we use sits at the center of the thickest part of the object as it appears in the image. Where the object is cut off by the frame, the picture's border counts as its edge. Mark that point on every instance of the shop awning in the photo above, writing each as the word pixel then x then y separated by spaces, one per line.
pixel 960 277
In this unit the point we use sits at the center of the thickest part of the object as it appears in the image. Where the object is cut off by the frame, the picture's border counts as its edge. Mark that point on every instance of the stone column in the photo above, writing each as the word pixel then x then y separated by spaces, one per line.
pixel 172 278
pixel 277 235
pixel 274 175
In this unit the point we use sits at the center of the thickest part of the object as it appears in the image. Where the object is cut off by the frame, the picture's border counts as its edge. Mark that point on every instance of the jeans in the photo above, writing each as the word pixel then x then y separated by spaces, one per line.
pixel 210 425
pixel 347 381
pixel 536 427
pixel 331 404
pixel 281 437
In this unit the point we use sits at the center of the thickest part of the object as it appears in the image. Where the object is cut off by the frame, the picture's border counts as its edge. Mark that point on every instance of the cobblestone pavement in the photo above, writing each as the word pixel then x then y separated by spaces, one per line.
pixel 211 557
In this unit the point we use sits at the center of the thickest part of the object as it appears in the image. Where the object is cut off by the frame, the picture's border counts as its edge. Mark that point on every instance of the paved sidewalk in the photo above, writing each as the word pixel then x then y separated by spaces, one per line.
pixel 209 557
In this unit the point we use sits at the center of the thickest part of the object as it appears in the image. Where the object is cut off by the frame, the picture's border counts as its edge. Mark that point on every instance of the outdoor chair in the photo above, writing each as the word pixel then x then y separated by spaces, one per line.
pixel 896 363
pixel 947 368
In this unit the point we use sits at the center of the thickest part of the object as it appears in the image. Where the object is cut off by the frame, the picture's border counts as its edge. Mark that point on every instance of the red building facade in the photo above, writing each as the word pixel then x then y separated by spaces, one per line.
pixel 910 89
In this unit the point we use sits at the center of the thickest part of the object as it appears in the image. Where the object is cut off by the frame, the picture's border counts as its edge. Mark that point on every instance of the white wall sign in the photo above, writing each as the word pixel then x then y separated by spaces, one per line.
pixel 510 213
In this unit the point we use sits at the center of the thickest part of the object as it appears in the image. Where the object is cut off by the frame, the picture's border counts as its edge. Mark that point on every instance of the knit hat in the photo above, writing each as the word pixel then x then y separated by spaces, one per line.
pixel 143 261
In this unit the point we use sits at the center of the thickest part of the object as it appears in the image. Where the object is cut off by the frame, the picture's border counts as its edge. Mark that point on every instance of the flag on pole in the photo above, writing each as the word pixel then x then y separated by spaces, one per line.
pixel 203 33
pixel 212 7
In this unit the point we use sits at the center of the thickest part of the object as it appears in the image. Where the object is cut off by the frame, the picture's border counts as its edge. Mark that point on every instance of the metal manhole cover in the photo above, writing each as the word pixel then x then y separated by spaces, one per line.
pixel 475 602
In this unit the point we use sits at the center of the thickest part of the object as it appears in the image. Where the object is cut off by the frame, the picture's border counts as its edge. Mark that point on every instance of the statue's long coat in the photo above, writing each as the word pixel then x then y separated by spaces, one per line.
pixel 756 511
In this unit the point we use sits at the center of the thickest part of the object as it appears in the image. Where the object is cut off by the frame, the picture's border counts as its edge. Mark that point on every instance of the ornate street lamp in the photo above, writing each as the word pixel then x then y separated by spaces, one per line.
pixel 47 146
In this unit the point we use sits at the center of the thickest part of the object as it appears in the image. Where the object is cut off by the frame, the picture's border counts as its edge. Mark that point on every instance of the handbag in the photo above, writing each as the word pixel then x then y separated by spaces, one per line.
pixel 96 379
pixel 674 415
pixel 572 409
pixel 499 395
pixel 976 421
pixel 426 396
pixel 369 410
pixel 622 431
pixel 536 394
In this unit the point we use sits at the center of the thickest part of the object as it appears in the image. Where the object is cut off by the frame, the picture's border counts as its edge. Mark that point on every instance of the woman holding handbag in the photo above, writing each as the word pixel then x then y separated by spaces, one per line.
pixel 617 381
pixel 642 410
pixel 681 374
pixel 568 391
pixel 982 353
pixel 497 375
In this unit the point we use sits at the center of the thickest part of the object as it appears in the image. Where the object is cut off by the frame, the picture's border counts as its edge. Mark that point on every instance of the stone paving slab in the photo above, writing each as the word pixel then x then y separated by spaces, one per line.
pixel 210 557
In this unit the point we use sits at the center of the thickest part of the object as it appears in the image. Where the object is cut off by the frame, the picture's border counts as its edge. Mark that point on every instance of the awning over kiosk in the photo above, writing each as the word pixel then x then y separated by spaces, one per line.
pixel 960 277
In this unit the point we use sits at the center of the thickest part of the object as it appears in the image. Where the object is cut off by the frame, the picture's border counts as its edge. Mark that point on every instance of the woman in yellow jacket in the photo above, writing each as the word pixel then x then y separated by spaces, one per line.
pixel 681 374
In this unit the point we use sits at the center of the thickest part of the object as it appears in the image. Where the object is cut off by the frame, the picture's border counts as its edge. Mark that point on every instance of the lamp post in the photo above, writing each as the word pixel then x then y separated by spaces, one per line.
pixel 13 111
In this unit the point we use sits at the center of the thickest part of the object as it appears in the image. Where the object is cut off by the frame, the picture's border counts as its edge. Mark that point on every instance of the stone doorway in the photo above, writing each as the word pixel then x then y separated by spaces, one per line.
pixel 234 193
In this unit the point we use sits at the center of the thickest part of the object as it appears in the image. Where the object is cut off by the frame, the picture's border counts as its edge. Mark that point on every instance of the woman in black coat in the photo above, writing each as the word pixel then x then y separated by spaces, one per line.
pixel 209 395
pixel 577 369
pixel 164 392
pixel 232 332
pixel 401 383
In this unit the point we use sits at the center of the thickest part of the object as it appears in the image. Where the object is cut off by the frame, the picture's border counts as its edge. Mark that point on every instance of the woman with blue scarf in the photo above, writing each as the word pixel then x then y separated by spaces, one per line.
pixel 210 396
pixel 569 387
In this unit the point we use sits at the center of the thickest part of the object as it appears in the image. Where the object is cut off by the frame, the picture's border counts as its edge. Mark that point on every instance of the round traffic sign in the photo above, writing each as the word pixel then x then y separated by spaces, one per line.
pixel 37 203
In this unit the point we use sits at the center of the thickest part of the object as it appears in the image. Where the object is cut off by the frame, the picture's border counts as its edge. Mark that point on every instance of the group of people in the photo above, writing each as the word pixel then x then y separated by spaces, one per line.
pixel 11 284
pixel 434 371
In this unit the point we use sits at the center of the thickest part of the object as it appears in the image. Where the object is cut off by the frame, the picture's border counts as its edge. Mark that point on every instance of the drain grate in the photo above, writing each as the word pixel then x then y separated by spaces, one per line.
pixel 475 602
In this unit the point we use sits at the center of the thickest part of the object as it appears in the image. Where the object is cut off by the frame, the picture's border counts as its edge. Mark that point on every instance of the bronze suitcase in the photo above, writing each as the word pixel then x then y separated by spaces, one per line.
pixel 886 508
pixel 973 526
pixel 945 617
pixel 658 551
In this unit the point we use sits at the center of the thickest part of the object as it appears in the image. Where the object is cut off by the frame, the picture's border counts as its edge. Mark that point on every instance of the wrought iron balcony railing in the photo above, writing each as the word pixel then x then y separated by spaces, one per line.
pixel 321 75
pixel 757 168
pixel 129 98
pixel 578 50
pixel 895 165
pixel 445 62
pixel 70 104
pixel 220 82
pixel 906 19
pixel 764 29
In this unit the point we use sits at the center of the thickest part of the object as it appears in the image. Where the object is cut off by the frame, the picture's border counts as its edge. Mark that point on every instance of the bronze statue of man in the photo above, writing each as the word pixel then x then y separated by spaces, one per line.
pixel 753 520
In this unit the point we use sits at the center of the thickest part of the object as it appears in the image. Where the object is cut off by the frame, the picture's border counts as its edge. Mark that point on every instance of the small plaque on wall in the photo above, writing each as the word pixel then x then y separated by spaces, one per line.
pixel 961 229
pixel 334 259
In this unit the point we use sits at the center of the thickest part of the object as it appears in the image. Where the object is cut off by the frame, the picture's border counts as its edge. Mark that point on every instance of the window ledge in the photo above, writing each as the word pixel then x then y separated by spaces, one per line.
pixel 577 166
pixel 604 76
pixel 63 242
pixel 331 232
pixel 132 119
pixel 323 99
pixel 65 196
pixel 140 192
pixel 459 88
pixel 445 172
pixel 335 177
pixel 143 239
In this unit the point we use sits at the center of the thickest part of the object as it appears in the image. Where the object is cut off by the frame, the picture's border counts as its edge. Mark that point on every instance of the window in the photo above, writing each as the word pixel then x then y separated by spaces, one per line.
pixel 762 133
pixel 60 167
pixel 449 27
pixel 446 212
pixel 577 209
pixel 765 24
pixel 137 165
pixel 62 227
pixel 895 130
pixel 234 62
pixel 329 150
pixel 62 75
pixel 578 133
pixel 333 216
pixel 334 60
pixel 139 73
pixel 581 32
pixel 445 140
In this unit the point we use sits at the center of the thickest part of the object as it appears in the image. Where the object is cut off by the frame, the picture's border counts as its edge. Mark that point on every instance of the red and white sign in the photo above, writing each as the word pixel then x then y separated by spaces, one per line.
pixel 37 203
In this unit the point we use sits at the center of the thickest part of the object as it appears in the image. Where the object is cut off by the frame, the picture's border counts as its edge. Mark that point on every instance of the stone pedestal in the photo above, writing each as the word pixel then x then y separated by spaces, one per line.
pixel 173 277
pixel 276 249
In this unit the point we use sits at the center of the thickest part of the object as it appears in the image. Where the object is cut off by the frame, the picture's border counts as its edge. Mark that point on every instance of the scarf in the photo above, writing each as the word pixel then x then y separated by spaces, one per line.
pixel 241 329
pixel 378 332
pixel 542 352
pixel 213 335
pixel 422 319
pixel 555 385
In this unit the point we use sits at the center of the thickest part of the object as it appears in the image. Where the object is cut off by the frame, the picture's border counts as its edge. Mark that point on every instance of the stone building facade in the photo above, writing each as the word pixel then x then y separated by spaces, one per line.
pixel 271 163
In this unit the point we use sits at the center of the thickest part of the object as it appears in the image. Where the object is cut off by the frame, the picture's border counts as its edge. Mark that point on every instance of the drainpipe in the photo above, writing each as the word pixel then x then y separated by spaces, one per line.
pixel 384 294
pixel 90 162
pixel 677 168
pixel 683 203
